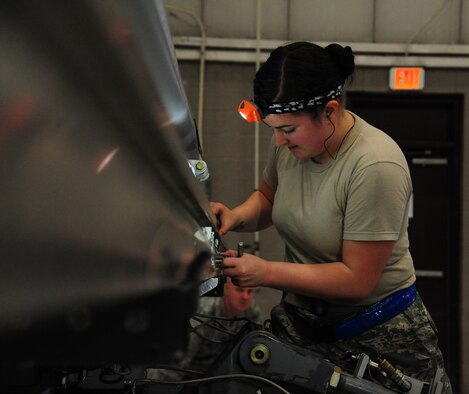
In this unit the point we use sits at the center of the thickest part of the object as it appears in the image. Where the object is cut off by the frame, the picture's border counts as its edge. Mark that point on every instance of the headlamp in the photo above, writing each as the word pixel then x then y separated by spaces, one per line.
pixel 249 111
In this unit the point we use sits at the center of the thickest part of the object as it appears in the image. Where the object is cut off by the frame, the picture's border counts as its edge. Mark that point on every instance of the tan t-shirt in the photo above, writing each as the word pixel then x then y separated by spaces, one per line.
pixel 363 195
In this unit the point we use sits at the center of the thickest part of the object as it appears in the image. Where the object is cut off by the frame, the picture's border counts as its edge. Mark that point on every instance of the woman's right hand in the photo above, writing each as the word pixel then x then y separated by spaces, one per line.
pixel 227 219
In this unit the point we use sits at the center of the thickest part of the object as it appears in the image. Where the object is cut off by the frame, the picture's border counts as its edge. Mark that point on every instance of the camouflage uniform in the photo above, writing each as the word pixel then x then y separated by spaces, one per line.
pixel 409 341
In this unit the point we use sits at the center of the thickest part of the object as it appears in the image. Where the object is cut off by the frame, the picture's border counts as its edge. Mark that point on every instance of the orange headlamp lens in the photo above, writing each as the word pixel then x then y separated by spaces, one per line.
pixel 249 111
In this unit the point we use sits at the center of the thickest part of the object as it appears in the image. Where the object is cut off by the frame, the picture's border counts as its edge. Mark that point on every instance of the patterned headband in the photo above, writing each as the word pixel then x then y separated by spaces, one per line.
pixel 301 105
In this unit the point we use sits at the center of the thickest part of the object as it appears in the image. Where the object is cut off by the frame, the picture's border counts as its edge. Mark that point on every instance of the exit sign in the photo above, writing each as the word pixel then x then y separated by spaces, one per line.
pixel 407 78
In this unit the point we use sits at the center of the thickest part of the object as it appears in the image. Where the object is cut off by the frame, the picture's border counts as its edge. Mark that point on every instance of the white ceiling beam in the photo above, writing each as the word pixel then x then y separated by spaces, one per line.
pixel 366 54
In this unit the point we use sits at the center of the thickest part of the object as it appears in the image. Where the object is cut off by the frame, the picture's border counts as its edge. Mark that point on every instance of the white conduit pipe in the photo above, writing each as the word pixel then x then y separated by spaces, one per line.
pixel 256 125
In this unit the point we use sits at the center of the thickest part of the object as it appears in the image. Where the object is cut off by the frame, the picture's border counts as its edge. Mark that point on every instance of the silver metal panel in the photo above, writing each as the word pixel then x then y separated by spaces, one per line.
pixel 152 38
pixel 100 214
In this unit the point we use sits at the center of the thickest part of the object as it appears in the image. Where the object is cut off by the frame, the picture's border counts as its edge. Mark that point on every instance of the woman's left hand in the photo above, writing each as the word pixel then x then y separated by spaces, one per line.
pixel 247 270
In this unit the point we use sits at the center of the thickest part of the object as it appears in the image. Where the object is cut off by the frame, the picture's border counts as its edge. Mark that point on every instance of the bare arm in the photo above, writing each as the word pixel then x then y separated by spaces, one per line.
pixel 252 215
pixel 353 278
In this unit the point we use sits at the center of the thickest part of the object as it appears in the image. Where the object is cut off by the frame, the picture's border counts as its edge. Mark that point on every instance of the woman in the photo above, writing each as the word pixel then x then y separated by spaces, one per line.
pixel 337 190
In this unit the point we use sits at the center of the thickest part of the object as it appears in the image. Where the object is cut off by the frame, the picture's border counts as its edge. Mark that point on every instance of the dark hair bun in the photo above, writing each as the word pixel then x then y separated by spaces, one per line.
pixel 343 58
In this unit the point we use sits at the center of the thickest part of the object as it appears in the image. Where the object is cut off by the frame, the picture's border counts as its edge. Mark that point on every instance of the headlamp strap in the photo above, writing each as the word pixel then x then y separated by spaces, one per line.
pixel 301 105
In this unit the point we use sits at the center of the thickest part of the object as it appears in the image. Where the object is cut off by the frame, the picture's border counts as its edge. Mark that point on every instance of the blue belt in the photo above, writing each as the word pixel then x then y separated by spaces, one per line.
pixel 376 314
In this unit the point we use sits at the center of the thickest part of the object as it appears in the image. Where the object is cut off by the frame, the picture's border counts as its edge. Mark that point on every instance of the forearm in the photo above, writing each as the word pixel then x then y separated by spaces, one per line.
pixel 326 281
pixel 355 277
pixel 254 214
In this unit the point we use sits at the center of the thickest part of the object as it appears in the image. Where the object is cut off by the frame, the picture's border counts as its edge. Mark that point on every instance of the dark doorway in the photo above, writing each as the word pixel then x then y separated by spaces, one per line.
pixel 428 128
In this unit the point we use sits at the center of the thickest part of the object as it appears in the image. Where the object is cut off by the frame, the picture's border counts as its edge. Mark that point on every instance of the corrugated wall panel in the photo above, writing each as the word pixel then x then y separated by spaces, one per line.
pixel 333 20
pixel 400 20
pixel 227 18
pixel 230 18
pixel 464 39
pixel 396 21
pixel 274 19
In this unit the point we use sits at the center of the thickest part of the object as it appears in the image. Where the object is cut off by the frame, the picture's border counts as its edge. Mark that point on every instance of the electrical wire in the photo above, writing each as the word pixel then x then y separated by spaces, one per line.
pixel 223 330
pixel 209 380
pixel 175 368
pixel 327 139
pixel 341 142
pixel 214 322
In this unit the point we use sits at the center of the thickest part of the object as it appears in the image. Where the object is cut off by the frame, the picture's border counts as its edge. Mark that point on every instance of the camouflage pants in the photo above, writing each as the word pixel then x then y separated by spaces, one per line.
pixel 409 341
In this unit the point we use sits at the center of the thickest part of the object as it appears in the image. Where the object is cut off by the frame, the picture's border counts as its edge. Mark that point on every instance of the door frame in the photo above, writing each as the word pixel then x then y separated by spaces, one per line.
pixel 453 147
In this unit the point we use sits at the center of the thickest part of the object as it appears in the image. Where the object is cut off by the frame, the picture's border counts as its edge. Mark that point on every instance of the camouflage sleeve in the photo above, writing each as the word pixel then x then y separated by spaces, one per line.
pixel 254 313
